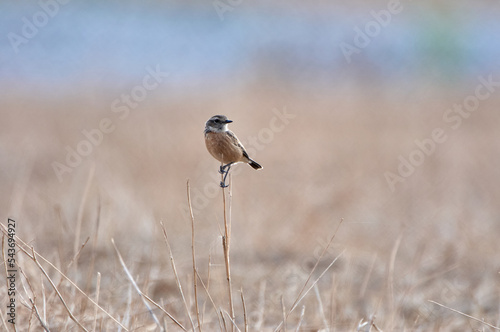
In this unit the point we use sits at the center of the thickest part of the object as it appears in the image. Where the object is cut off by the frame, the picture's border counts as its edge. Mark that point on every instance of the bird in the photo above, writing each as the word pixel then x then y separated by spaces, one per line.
pixel 224 146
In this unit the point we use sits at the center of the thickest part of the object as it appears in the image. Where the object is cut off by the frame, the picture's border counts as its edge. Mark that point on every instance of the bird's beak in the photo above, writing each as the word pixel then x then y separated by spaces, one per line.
pixel 228 121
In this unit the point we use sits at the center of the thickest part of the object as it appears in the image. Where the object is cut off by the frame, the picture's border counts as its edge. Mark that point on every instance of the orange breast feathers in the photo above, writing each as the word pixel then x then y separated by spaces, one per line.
pixel 222 148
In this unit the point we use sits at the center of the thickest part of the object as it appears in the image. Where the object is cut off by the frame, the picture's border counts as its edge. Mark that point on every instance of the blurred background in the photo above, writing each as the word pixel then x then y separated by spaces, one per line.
pixel 103 106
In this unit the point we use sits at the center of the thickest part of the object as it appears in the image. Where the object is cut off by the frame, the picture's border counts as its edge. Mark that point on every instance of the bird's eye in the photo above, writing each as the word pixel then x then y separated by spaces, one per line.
pixel 216 120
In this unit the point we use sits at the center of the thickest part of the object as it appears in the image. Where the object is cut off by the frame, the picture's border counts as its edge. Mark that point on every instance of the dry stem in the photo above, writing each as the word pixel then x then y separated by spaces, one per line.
pixel 226 241
pixel 195 283
pixel 179 286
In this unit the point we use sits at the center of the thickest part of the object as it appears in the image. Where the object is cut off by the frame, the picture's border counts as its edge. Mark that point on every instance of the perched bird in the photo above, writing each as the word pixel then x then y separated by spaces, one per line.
pixel 224 146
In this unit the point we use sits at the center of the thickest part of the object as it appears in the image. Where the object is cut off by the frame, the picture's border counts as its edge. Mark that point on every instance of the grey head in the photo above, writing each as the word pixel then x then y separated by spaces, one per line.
pixel 217 123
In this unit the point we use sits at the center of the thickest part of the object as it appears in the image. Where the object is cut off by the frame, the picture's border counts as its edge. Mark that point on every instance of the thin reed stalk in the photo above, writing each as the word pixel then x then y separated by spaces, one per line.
pixel 303 292
pixel 244 310
pixel 226 245
pixel 136 287
pixel 179 286
pixel 195 278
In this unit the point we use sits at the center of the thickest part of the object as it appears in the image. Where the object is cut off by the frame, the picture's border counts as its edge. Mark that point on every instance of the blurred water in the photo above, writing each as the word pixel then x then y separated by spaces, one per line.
pixel 101 42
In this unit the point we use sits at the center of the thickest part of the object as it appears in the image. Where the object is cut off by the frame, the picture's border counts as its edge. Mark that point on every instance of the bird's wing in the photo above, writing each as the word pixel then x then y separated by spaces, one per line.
pixel 237 142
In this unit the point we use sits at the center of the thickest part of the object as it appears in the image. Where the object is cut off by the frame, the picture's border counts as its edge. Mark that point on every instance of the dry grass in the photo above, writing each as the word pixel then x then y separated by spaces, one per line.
pixel 434 239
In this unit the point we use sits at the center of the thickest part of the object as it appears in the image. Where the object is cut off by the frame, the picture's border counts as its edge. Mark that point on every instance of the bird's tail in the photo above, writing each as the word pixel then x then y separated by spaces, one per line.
pixel 254 164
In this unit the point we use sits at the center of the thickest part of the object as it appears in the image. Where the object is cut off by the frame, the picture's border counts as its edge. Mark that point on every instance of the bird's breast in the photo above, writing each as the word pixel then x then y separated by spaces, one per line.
pixel 222 148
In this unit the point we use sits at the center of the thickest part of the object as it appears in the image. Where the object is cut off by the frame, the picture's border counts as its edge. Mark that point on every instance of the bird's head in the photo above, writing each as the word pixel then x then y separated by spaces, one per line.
pixel 217 123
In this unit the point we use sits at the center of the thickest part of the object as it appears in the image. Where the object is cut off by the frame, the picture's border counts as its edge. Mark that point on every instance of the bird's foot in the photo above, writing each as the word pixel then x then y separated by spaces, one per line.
pixel 223 170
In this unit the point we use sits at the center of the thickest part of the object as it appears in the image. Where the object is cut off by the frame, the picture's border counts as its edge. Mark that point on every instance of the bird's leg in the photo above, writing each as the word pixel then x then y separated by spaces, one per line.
pixel 222 168
pixel 225 172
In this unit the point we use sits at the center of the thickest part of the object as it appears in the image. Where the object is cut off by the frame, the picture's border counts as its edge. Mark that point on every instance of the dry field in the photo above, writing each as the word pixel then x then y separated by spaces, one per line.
pixel 433 238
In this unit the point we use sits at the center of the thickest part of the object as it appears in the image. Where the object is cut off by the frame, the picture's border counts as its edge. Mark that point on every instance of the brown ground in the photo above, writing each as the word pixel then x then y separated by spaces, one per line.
pixel 435 237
